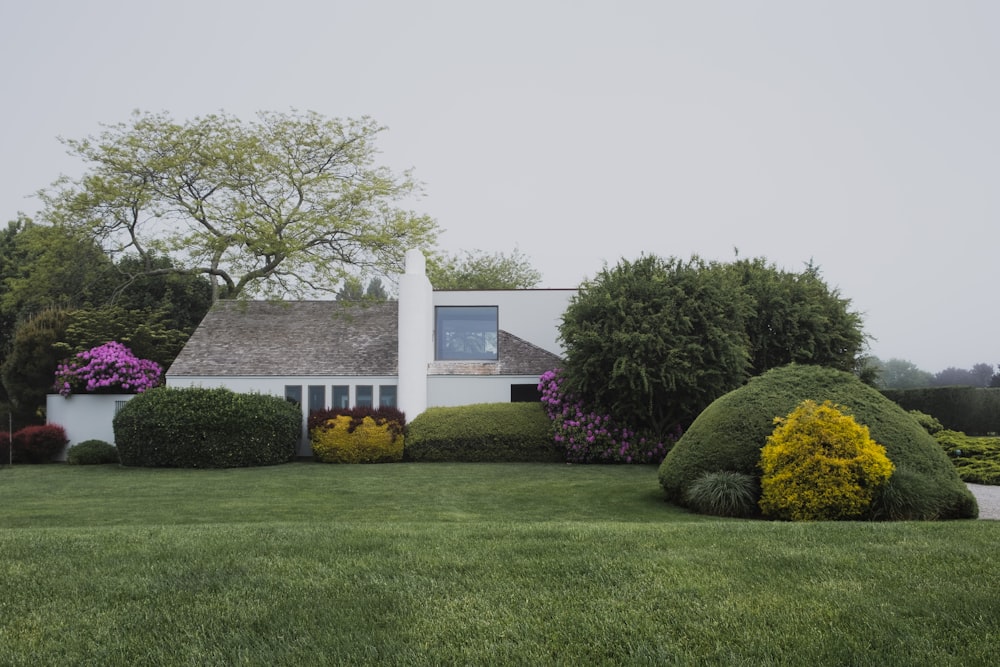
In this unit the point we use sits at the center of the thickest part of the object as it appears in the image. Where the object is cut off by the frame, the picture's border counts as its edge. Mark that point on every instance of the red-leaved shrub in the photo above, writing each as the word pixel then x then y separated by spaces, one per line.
pixel 39 444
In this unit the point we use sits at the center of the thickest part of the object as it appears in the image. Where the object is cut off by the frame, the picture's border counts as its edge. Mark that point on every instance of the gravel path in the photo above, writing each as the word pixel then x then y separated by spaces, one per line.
pixel 988 498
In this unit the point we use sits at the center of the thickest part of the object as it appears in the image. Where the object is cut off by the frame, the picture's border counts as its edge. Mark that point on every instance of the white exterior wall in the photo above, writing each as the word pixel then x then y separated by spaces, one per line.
pixel 416 335
pixel 275 386
pixel 84 416
pixel 453 390
pixel 533 315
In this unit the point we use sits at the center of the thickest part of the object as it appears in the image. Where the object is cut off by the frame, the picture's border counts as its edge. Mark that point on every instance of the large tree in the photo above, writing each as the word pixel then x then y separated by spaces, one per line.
pixel 480 270
pixel 900 374
pixel 796 318
pixel 285 204
pixel 654 341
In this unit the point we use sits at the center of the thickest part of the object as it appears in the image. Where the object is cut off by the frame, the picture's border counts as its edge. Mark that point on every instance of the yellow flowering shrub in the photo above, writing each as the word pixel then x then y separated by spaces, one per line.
pixel 342 439
pixel 819 463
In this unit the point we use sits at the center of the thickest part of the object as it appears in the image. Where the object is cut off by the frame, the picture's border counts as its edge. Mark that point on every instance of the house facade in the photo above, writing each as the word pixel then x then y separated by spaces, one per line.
pixel 429 348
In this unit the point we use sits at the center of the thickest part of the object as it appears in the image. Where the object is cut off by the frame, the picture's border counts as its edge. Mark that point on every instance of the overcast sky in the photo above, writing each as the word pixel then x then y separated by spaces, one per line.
pixel 861 135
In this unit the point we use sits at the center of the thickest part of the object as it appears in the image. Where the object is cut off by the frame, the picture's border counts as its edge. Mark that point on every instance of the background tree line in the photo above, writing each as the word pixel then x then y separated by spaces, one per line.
pixel 902 374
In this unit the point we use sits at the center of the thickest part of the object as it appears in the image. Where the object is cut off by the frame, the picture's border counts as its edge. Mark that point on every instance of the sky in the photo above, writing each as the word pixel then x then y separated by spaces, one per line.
pixel 860 135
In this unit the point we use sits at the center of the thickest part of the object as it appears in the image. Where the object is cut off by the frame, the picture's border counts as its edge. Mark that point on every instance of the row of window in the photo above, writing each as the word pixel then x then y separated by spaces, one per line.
pixel 364 396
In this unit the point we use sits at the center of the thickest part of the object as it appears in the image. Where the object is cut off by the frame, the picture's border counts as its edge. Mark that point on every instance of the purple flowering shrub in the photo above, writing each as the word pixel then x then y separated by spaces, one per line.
pixel 589 437
pixel 110 369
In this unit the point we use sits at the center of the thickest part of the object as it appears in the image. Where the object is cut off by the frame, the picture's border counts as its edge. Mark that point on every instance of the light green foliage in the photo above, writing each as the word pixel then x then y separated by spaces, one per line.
pixel 508 432
pixel 286 204
pixel 820 464
pixel 339 440
pixel 976 459
pixel 652 342
pixel 730 433
pixel 479 270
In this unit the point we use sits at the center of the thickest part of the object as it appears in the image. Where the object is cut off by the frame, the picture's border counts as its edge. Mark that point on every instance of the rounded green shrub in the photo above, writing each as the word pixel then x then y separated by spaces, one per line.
pixel 39 444
pixel 930 423
pixel 820 464
pixel 345 439
pixel 195 427
pixel 724 493
pixel 501 432
pixel 729 434
pixel 92 452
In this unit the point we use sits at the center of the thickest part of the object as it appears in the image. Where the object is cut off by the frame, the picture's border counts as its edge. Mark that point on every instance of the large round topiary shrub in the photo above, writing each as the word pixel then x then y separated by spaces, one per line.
pixel 206 428
pixel 730 433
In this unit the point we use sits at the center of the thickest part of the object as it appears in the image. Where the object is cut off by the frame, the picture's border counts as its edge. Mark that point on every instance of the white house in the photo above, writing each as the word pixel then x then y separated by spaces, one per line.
pixel 429 348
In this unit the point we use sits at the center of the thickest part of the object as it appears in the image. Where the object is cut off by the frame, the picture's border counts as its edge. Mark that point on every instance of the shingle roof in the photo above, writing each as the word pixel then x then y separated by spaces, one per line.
pixel 328 338
pixel 248 338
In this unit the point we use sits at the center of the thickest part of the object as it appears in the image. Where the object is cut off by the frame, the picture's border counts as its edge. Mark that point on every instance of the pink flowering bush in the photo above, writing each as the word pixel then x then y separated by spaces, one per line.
pixel 109 369
pixel 589 437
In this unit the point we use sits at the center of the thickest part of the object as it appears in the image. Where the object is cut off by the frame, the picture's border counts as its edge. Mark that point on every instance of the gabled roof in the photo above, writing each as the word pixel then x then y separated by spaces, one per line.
pixel 516 357
pixel 325 338
pixel 266 338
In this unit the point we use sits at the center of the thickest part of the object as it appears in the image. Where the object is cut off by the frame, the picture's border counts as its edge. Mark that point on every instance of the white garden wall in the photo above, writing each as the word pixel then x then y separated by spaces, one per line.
pixel 85 416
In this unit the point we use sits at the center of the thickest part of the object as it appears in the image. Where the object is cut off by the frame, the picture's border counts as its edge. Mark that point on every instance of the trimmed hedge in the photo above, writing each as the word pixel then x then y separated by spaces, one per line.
pixel 39 444
pixel 972 410
pixel 495 432
pixel 358 435
pixel 195 427
pixel 730 433
pixel 92 452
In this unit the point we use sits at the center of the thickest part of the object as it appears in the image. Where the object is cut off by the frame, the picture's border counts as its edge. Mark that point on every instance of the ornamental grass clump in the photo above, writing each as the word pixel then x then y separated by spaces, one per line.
pixel 590 437
pixel 110 368
pixel 724 493
pixel 820 464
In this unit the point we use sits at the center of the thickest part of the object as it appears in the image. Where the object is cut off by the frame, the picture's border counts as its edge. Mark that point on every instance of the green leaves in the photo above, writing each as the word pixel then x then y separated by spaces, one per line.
pixel 281 205
pixel 654 341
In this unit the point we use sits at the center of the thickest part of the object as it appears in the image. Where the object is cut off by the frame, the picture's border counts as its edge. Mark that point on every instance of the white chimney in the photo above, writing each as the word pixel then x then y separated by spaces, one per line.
pixel 416 334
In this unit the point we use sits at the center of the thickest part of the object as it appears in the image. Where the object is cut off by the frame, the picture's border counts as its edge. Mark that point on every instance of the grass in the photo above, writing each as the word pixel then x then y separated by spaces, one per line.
pixel 437 564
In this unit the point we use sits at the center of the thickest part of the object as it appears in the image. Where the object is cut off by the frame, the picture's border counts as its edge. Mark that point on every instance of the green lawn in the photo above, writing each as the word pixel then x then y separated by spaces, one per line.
pixel 430 564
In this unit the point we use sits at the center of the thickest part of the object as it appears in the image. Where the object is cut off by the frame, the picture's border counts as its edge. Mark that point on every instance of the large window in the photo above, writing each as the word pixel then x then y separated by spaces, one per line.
pixel 466 332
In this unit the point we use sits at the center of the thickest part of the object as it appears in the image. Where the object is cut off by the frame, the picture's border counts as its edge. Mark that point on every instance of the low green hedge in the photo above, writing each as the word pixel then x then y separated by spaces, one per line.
pixel 206 428
pixel 495 432
pixel 92 452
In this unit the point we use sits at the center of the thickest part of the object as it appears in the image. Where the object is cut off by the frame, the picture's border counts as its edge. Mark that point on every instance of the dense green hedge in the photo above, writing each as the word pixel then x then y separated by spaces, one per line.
pixel 484 432
pixel 972 410
pixel 206 428
pixel 730 433
pixel 92 452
